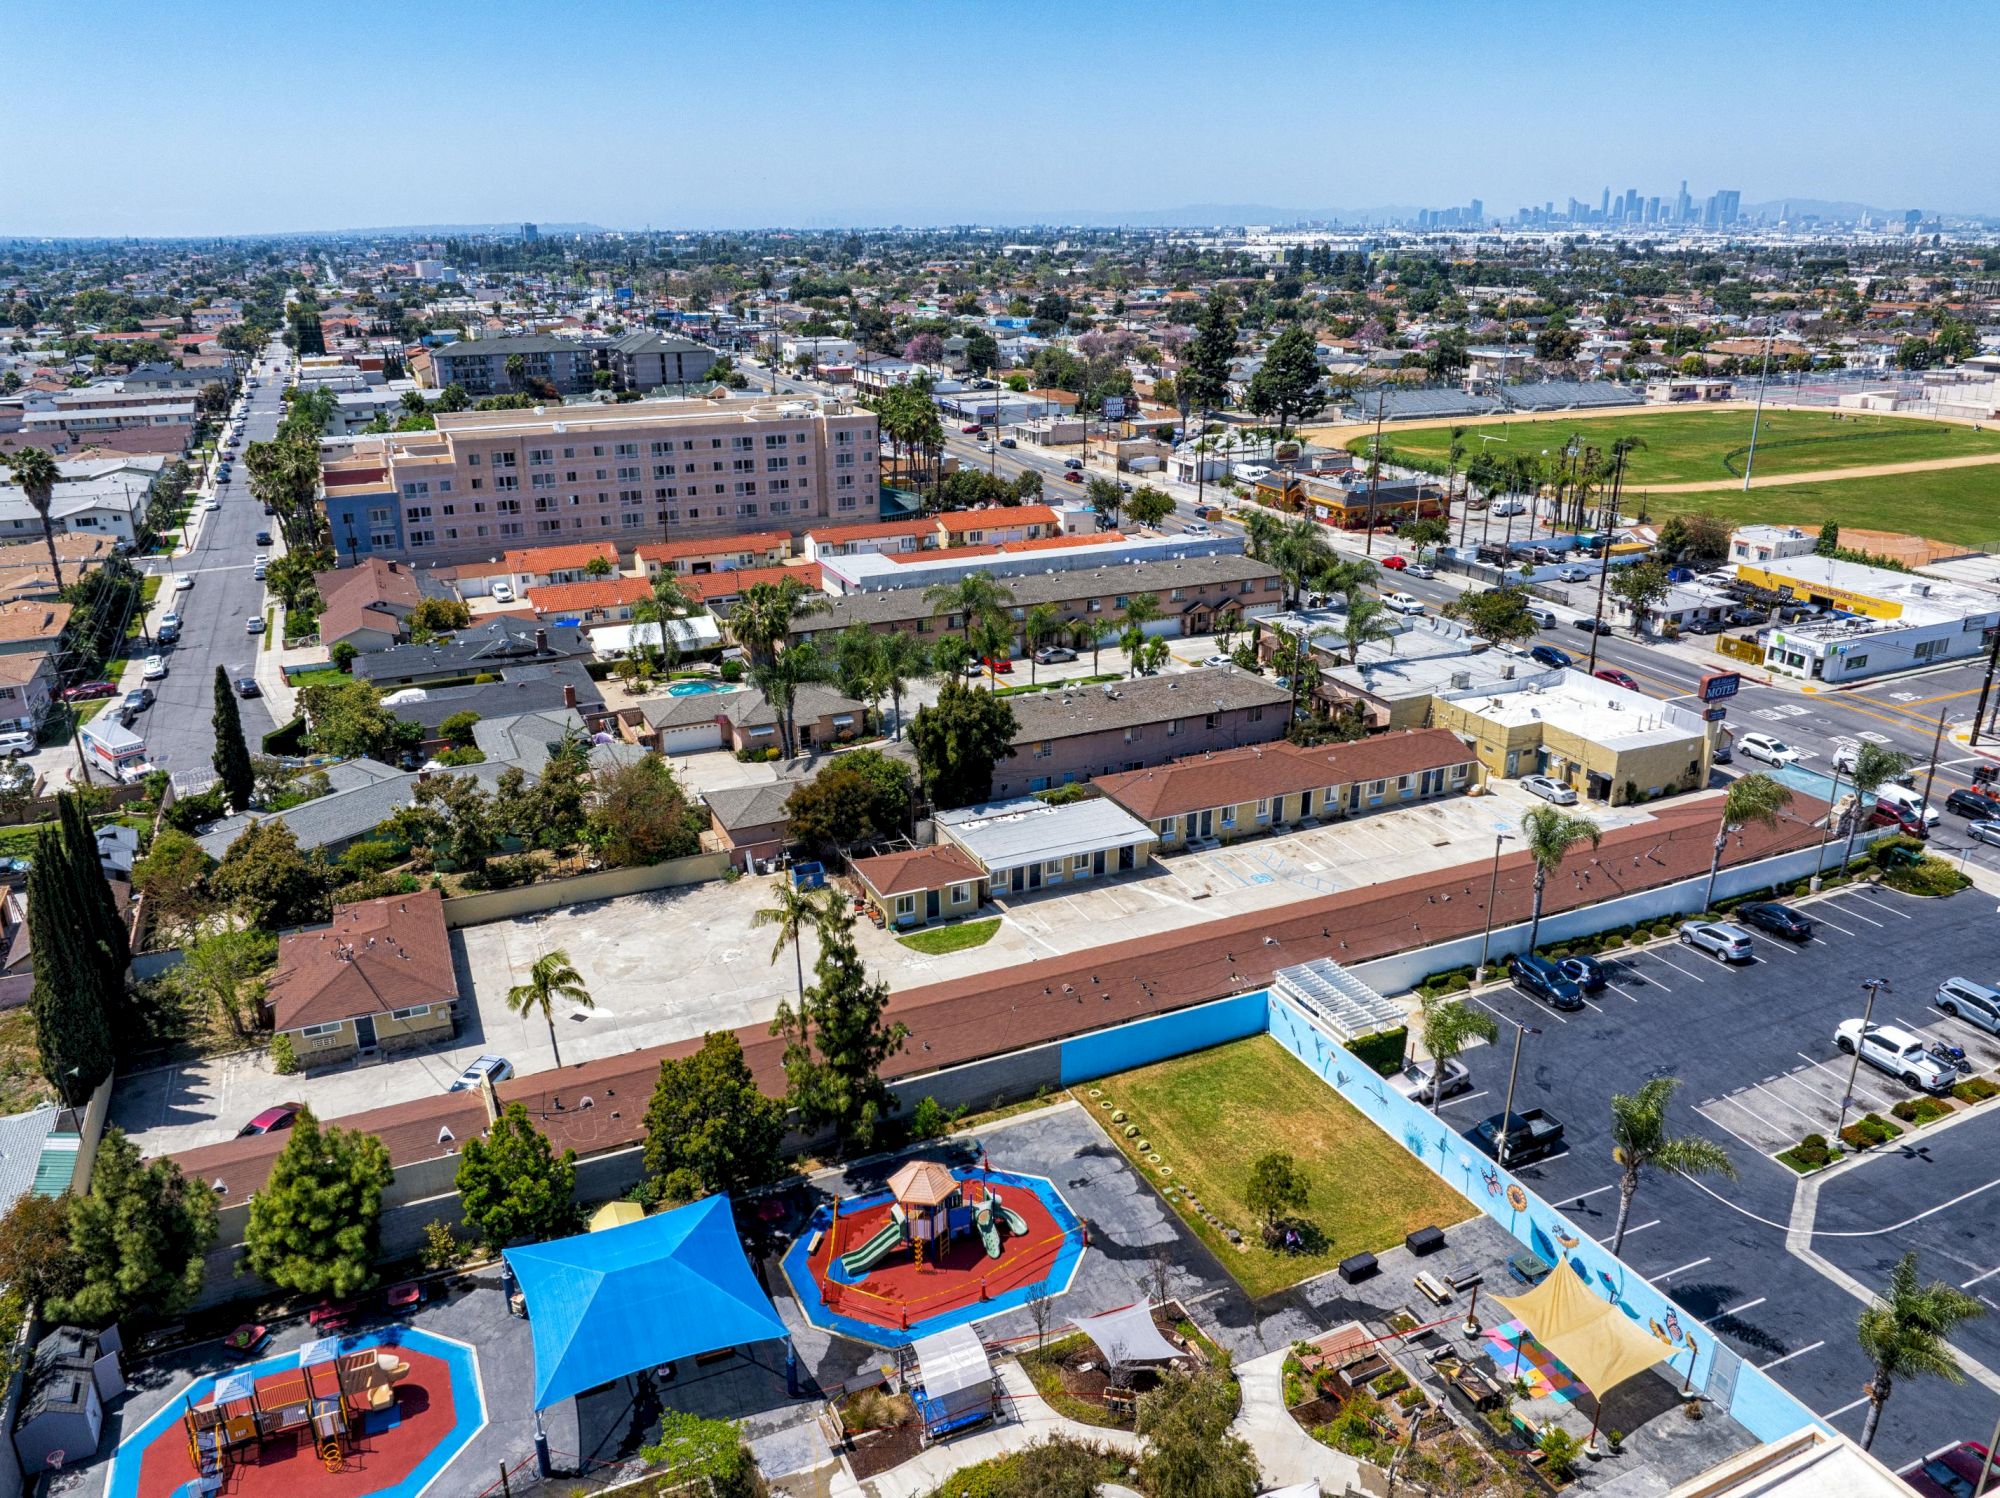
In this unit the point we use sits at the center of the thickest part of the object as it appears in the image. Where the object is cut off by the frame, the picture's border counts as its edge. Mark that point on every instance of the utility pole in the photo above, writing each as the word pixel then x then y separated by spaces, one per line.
pixel 1985 688
pixel 1374 472
pixel 1872 985
pixel 1507 1112
pixel 1930 775
pixel 1756 420
pixel 1604 562
pixel 1500 836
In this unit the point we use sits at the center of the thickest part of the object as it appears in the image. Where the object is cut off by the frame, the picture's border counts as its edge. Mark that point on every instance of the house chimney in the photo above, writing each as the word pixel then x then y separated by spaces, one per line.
pixel 541 641
pixel 569 696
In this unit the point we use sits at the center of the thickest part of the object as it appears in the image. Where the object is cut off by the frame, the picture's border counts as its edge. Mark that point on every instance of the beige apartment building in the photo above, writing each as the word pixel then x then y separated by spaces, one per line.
pixel 486 482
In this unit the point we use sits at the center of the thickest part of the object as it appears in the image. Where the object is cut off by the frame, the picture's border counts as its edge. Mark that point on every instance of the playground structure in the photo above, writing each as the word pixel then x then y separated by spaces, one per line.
pixel 322 1401
pixel 940 1246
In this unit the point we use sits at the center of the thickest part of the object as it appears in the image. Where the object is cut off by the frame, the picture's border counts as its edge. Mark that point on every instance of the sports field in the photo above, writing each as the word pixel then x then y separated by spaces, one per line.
pixel 1946 504
pixel 1687 447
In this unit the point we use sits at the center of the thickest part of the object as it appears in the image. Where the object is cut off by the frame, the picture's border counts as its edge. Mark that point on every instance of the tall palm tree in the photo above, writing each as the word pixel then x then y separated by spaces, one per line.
pixel 1140 610
pixel 666 602
pixel 1448 1026
pixel 1548 835
pixel 1750 798
pixel 1639 1138
pixel 551 978
pixel 1365 619
pixel 992 639
pixel 791 910
pixel 780 678
pixel 764 615
pixel 36 472
pixel 1906 1334
pixel 857 650
pixel 1874 767
pixel 1452 457
pixel 950 656
pixel 1301 553
pixel 900 660
pixel 1040 626
pixel 1262 532
pixel 973 597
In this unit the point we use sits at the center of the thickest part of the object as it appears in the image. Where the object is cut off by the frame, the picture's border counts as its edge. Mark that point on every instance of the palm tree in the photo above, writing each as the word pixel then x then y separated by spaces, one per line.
pixel 667 602
pixel 973 597
pixel 950 656
pixel 1906 1334
pixel 1141 609
pixel 1300 553
pixel 1261 533
pixel 792 909
pixel 992 639
pixel 857 652
pixel 1366 619
pixel 780 678
pixel 1548 835
pixel 1039 626
pixel 1451 460
pixel 36 472
pixel 899 660
pixel 1750 798
pixel 551 978
pixel 1639 1138
pixel 1449 1025
pixel 763 616
pixel 1874 767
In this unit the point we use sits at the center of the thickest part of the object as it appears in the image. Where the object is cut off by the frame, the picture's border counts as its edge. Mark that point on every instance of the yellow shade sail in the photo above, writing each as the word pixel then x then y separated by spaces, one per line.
pixel 1599 1344
pixel 615 1215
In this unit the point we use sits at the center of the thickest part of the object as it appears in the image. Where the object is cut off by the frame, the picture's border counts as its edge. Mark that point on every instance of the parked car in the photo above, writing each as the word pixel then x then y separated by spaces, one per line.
pixel 1973 804
pixel 1414 1081
pixel 1762 746
pixel 1591 626
pixel 1574 575
pixel 1533 1135
pixel 1008 442
pixel 1742 618
pixel 1725 942
pixel 1778 920
pixel 86 691
pixel 246 686
pixel 503 592
pixel 1975 1003
pixel 1509 507
pixel 1549 789
pixel 154 668
pixel 1054 655
pixel 1540 978
pixel 1395 564
pixel 1403 603
pixel 1894 1050
pixel 1618 678
pixel 16 743
pixel 998 666
pixel 271 1120
pixel 1548 655
pixel 1422 569
pixel 254 625
pixel 1541 613
pixel 1951 1473
pixel 496 1068
pixel 1985 832
pixel 1889 814
pixel 1587 973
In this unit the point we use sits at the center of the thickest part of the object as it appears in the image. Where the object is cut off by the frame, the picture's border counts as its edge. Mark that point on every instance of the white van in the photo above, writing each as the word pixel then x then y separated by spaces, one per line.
pixel 1541 613
pixel 1909 800
pixel 1510 507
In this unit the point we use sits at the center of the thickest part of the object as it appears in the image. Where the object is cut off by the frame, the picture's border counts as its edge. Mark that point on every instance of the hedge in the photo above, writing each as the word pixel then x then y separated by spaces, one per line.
pixel 1382 1050
pixel 287 738
pixel 1975 1090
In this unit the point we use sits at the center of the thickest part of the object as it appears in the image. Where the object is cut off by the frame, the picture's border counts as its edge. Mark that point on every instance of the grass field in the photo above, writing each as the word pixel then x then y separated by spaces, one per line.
pixel 1210 1116
pixel 1687 447
pixel 935 941
pixel 1946 504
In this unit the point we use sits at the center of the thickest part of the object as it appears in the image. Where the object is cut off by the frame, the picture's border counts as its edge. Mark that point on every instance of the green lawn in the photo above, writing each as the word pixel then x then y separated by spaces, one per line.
pixel 1948 504
pixel 321 676
pixel 1210 1116
pixel 1696 446
pixel 149 588
pixel 935 941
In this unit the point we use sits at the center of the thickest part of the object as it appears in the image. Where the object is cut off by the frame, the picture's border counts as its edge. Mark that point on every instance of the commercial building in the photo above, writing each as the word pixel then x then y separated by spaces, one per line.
pixel 569 366
pixel 379 979
pixel 1883 621
pixel 1350 505
pixel 1391 681
pixel 489 481
pixel 1605 743
pixel 1265 788
pixel 1758 544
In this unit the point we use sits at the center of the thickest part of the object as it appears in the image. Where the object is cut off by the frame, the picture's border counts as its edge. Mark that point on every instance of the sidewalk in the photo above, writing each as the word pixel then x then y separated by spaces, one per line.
pixel 1285 1454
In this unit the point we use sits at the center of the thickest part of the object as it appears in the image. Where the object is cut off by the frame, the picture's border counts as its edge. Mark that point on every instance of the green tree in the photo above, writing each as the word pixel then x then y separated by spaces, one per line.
pixel 347 719
pixel 837 1038
pixel 1874 767
pixel 1149 506
pixel 456 730
pixel 268 881
pixel 1189 1451
pixel 551 978
pixel 708 1127
pixel 958 741
pixel 1497 614
pixel 974 598
pixel 901 660
pixel 35 1255
pixel 1364 620
pixel 706 1455
pixel 137 1238
pixel 1140 610
pixel 1289 383
pixel 1641 1139
pixel 1907 1334
pixel 224 971
pixel 1549 835
pixel 1828 544
pixel 72 1006
pixel 513 1185
pixel 434 617
pixel 1205 362
pixel 1424 534
pixel 863 795
pixel 1448 1026
pixel 1639 587
pixel 312 1228
pixel 1277 1188
pixel 1750 798
pixel 779 678
pixel 640 814
pixel 1040 626
pixel 763 617
pixel 666 602
pixel 791 911
pixel 1107 499
pixel 232 754
pixel 37 475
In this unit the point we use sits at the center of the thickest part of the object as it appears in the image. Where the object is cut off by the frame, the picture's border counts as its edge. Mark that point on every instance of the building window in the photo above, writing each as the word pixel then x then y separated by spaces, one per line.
pixel 312 1032
pixel 1264 809
pixel 417 1011
pixel 906 906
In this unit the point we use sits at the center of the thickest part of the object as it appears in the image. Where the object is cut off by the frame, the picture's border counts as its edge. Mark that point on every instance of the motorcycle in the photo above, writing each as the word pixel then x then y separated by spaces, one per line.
pixel 1950 1055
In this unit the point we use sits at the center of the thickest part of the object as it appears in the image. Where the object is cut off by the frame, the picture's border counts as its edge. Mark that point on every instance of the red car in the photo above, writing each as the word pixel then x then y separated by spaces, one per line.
pixel 1888 815
pixel 972 429
pixel 1618 678
pixel 1072 477
pixel 1395 564
pixel 998 668
pixel 84 691
pixel 1952 1472
pixel 271 1120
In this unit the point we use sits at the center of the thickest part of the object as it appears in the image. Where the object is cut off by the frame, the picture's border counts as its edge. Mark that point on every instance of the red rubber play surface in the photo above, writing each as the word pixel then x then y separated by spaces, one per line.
pixel 898 1292
pixel 286 1466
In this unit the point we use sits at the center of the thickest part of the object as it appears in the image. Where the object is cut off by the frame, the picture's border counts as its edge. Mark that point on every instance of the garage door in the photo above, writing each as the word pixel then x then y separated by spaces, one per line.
pixel 691 739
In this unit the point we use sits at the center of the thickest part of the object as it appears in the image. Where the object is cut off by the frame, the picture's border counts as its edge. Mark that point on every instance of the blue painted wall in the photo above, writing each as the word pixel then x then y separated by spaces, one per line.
pixel 1148 1040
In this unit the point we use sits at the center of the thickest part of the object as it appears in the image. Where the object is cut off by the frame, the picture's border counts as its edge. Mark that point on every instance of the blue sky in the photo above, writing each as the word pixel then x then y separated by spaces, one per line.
pixel 218 117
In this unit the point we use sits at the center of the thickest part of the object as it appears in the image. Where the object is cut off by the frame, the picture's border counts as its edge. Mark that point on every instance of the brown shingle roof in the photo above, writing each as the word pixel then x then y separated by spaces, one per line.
pixel 378 955
pixel 1278 769
pixel 916 869
pixel 374 594
pixel 32 621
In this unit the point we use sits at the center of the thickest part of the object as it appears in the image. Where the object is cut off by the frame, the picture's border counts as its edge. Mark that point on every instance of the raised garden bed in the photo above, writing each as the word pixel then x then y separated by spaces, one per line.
pixel 880 1430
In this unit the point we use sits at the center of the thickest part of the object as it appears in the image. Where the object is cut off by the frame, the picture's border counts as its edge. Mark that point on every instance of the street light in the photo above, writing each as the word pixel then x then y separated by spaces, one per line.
pixel 1832 805
pixel 1507 1111
pixel 1500 836
pixel 1872 985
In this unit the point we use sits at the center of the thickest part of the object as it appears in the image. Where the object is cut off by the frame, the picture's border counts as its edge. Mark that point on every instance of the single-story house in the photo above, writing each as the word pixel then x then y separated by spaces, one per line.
pixel 1241 792
pixel 1026 844
pixel 750 820
pixel 916 886
pixel 365 603
pixel 698 558
pixel 379 978
pixel 548 687
pixel 490 646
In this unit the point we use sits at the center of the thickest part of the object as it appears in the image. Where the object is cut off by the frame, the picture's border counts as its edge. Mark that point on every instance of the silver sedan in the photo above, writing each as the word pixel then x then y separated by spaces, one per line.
pixel 1549 789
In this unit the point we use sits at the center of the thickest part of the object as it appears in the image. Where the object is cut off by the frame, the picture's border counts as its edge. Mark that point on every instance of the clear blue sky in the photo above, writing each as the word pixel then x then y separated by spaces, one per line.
pixel 215 116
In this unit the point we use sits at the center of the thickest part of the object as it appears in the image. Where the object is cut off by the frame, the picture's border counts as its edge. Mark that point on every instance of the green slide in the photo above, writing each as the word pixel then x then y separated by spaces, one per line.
pixel 1009 1218
pixel 989 1234
pixel 871 1253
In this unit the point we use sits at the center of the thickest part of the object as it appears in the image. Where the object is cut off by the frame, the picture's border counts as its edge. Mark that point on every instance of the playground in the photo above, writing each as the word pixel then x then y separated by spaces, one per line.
pixel 941 1246
pixel 381 1413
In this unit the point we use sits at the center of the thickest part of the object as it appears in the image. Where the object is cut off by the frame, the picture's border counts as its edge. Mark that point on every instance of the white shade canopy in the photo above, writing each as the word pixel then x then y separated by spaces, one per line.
pixel 1127 1335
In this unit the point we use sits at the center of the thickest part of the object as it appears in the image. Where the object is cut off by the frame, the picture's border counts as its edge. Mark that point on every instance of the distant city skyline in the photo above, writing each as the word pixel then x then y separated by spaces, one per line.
pixel 269 119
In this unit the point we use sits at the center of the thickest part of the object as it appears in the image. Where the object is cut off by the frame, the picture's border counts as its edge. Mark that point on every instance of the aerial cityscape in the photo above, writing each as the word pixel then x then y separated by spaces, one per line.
pixel 782 751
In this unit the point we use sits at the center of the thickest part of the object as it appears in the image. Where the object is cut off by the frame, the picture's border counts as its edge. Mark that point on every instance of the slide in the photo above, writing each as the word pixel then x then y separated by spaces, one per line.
pixel 871 1253
pixel 989 1235
pixel 1009 1218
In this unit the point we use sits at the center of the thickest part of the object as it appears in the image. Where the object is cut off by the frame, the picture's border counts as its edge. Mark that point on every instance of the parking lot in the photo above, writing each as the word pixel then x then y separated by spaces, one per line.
pixel 1753 1048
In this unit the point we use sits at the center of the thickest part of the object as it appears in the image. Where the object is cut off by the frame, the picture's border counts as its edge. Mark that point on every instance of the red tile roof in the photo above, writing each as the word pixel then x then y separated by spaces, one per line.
pixel 560 558
pixel 716 546
pixel 1004 516
pixel 594 593
pixel 377 956
pixel 916 869
pixel 1278 769
pixel 373 594
pixel 712 585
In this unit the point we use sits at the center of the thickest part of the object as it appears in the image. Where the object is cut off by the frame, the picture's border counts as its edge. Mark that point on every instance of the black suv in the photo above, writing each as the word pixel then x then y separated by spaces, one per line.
pixel 1541 979
pixel 1779 920
pixel 1973 804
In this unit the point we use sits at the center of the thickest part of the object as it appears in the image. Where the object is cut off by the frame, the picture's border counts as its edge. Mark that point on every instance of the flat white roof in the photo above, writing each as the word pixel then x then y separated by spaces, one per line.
pixel 1006 835
pixel 1590 707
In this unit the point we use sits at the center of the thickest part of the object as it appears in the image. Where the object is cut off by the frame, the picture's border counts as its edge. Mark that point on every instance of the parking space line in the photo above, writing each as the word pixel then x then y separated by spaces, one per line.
pixel 1901 915
pixel 1584 1196
pixel 1696 1264
pixel 1810 1347
pixel 1621 989
pixel 1639 1228
pixel 1881 1099
pixel 1681 970
pixel 1551 1014
pixel 1748 1305
pixel 1783 1103
pixel 1980 1278
pixel 1729 1131
pixel 1822 920
pixel 1858 916
pixel 1852 1405
pixel 1453 1102
pixel 1772 941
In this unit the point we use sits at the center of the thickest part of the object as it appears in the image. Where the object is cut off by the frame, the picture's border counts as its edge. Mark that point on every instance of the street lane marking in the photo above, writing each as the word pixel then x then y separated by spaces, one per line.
pixel 1696 1264
pixel 1747 1305
pixel 1810 1347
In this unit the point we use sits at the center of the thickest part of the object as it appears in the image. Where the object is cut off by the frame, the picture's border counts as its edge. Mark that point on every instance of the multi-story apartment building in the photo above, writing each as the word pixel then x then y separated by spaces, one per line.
pixel 639 360
pixel 486 482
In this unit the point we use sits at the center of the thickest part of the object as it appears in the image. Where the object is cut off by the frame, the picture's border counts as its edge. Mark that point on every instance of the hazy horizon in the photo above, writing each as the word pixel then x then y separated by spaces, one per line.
pixel 233 119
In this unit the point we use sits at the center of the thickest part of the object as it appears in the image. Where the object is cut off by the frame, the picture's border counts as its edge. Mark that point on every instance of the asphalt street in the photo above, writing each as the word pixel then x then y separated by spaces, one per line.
pixel 180 738
pixel 1753 1049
